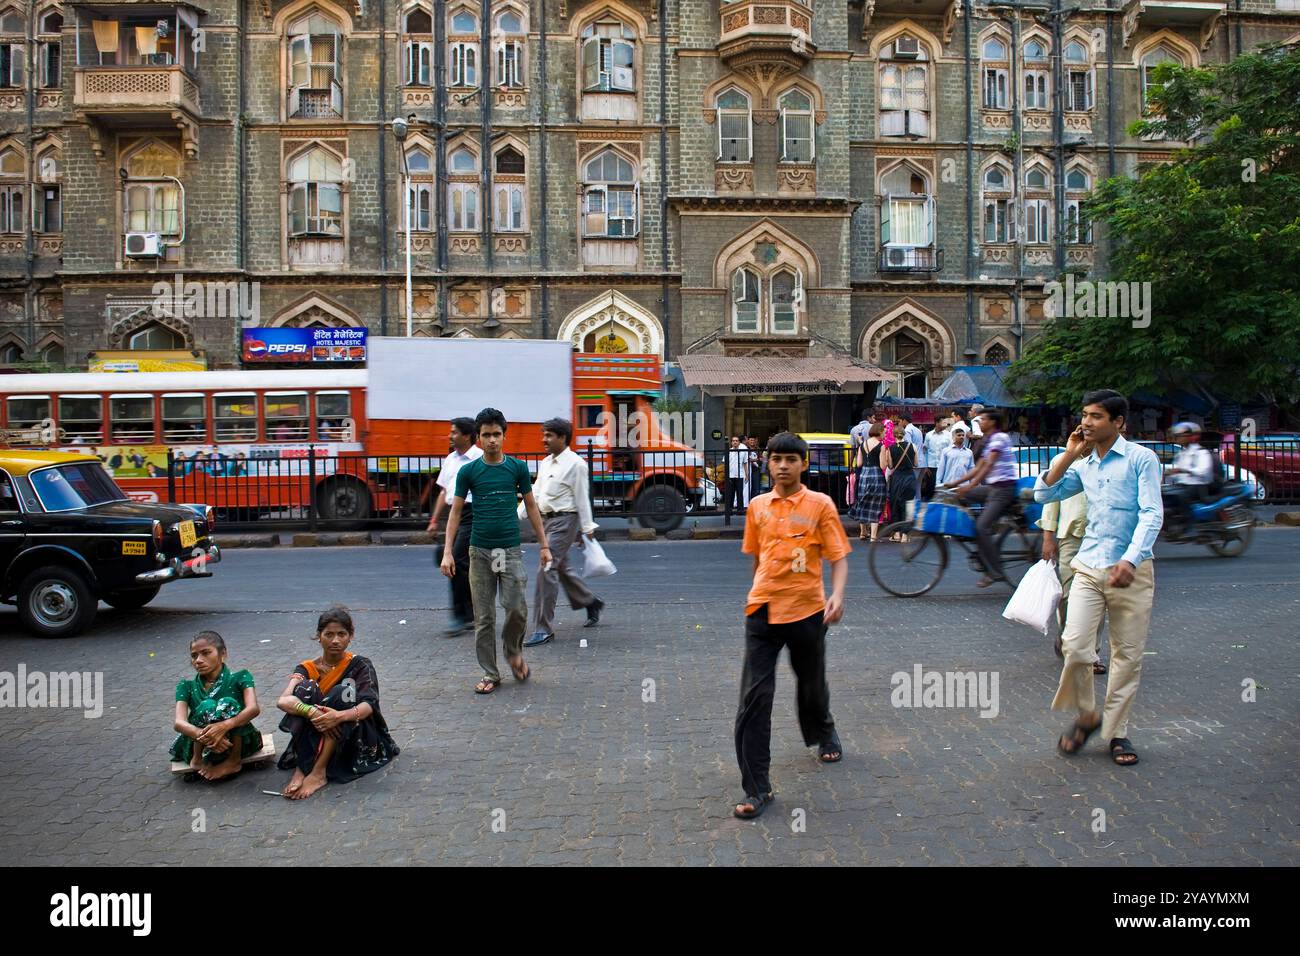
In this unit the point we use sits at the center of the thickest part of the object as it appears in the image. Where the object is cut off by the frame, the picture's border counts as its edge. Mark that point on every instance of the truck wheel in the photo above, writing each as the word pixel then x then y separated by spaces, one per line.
pixel 56 602
pixel 133 599
pixel 343 500
pixel 660 507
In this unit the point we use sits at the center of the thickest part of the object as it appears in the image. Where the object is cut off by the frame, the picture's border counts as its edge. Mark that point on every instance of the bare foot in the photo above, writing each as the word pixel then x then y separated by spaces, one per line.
pixel 309 786
pixel 227 768
pixel 295 782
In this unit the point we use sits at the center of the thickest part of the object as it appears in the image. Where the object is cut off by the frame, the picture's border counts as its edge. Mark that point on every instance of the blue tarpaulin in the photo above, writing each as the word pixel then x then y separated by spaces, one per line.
pixel 971 384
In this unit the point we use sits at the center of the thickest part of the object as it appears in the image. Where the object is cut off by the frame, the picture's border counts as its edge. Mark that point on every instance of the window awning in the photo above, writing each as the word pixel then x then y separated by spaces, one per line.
pixel 739 375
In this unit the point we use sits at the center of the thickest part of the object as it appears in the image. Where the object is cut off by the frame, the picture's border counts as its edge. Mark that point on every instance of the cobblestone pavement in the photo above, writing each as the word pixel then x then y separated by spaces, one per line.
pixel 580 769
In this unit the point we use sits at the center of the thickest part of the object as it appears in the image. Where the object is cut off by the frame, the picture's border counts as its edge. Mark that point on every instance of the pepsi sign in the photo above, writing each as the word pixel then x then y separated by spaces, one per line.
pixel 304 345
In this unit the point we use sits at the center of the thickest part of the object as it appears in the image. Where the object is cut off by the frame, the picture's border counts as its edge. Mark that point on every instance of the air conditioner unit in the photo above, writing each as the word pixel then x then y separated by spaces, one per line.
pixel 898 255
pixel 144 245
pixel 907 48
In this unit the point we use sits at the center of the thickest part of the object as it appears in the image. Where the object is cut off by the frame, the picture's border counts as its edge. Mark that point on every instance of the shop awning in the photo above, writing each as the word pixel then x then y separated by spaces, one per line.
pixel 820 375
pixel 975 384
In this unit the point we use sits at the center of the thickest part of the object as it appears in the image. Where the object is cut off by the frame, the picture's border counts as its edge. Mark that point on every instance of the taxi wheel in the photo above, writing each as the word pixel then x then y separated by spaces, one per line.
pixel 133 599
pixel 56 602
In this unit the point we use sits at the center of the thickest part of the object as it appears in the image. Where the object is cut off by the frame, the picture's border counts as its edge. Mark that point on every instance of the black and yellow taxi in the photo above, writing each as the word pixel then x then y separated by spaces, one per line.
pixel 70 538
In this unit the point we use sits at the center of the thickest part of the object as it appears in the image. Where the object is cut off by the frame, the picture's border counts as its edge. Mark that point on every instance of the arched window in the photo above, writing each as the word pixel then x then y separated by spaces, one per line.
pixel 509 197
pixel 463 191
pixel 315 53
pixel 1152 59
pixel 47 211
pixel 1078 77
pixel 152 198
pixel 13 189
pixel 905 88
pixel 419 166
pixel 13 49
pixel 155 336
pixel 786 300
pixel 745 295
pixel 999 211
pixel 1078 230
pixel 735 127
pixel 11 354
pixel 418 27
pixel 608 57
pixel 462 47
pixel 995 65
pixel 52 354
pixel 315 194
pixel 1036 177
pixel 511 41
pixel 995 178
pixel 906 209
pixel 1076 179
pixel 997 354
pixel 1038 204
pixel 50 27
pixel 1037 75
pixel 797 141
pixel 612 197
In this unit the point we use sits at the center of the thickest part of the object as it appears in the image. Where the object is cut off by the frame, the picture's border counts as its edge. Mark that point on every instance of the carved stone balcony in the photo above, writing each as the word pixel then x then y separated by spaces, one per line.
pixel 1187 14
pixel 766 38
pixel 137 97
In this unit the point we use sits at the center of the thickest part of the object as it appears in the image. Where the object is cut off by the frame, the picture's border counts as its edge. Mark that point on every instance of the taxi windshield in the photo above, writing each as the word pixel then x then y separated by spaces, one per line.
pixel 67 487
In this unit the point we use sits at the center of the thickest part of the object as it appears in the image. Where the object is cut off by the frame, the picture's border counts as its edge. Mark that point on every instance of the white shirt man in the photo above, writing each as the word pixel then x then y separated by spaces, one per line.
pixel 1193 465
pixel 561 487
pixel 451 465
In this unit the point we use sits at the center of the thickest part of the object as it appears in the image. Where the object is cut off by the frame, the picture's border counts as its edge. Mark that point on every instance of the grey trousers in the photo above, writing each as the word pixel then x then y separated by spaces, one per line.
pixel 562 532
pixel 490 570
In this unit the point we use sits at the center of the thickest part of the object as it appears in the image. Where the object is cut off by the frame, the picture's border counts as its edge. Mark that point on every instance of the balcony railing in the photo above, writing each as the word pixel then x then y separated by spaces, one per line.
pixel 134 89
pixel 782 27
pixel 911 259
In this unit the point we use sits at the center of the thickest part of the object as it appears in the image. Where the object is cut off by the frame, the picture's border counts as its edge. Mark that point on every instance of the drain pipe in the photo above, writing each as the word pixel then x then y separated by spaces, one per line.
pixel 666 309
pixel 970 195
pixel 383 167
pixel 544 252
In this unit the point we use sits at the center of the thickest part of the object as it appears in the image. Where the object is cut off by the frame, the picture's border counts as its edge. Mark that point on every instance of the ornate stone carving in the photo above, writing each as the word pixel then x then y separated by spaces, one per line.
pixel 796 179
pixel 950 17
pixel 906 320
pixel 12 247
pixel 49 246
pixel 643 340
pixel 1038 122
pixel 12 101
pixel 417 96
pixel 1078 255
pixel 996 120
pixel 421 243
pixel 996 255
pixel 509 99
pixel 765 117
pixel 465 244
pixel 129 315
pixel 49 100
pixel 511 245
pixel 731 178
pixel 1078 123
pixel 1038 257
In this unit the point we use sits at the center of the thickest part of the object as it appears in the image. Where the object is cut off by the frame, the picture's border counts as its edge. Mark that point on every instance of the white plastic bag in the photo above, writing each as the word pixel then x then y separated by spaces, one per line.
pixel 595 563
pixel 1035 600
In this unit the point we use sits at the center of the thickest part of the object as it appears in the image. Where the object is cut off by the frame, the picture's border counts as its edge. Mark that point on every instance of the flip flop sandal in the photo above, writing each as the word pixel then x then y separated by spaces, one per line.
pixel 1074 738
pixel 1123 747
pixel 486 686
pixel 825 751
pixel 759 804
pixel 1098 667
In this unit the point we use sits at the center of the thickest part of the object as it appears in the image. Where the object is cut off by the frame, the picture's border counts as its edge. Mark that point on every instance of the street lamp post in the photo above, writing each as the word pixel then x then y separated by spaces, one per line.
pixel 400 127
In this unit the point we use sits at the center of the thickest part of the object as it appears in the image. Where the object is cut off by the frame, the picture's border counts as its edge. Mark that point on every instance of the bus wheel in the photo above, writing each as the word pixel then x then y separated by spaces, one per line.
pixel 660 507
pixel 343 500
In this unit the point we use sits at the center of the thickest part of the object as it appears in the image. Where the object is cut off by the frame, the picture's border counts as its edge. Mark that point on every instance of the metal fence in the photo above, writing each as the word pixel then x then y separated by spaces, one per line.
pixel 660 488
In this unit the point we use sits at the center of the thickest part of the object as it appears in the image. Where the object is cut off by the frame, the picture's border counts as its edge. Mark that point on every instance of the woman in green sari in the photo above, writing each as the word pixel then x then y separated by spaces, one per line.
pixel 215 712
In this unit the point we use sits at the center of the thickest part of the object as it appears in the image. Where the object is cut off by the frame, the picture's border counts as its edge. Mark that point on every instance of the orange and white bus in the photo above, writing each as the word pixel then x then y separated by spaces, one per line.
pixel 241 440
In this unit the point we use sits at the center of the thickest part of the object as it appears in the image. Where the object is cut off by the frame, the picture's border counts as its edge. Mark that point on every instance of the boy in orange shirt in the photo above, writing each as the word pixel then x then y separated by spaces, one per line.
pixel 788 531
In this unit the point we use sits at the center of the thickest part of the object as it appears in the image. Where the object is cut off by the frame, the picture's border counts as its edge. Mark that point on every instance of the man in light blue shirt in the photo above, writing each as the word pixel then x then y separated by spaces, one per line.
pixel 1114 571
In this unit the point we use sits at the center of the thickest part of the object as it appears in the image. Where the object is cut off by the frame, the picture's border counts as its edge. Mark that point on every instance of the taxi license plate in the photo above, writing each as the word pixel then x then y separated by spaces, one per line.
pixel 134 547
pixel 187 534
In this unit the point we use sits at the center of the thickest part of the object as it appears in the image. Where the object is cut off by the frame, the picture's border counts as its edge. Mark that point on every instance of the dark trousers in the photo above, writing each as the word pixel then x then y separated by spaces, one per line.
pixel 763 642
pixel 736 493
pixel 927 482
pixel 462 602
pixel 996 500
pixel 1182 497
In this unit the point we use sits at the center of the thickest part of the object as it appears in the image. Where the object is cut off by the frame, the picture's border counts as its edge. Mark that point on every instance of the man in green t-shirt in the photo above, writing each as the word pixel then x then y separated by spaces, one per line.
pixel 495 561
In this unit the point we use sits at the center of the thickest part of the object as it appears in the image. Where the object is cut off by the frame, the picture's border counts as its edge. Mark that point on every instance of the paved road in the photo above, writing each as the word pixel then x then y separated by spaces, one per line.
pixel 584 770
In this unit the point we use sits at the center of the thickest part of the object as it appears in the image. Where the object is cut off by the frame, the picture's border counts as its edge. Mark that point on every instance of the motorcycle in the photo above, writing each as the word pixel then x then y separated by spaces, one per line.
pixel 1225 521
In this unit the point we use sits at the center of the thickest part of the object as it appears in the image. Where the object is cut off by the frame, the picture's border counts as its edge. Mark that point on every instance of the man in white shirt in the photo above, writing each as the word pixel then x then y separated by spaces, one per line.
pixel 462 452
pixel 563 497
pixel 936 442
pixel 737 474
pixel 1192 472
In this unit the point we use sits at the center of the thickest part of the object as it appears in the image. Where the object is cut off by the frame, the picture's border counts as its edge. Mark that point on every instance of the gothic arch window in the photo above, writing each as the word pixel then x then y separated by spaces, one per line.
pixel 510 188
pixel 155 336
pixel 463 190
pixel 997 354
pixel 1037 74
pixel 1161 53
pixel 999 205
pixel 612 196
pixel 634 328
pixel 13 190
pixel 314 67
pixel 1078 183
pixel 905 82
pixel 420 192
pixel 315 193
pixel 798 139
pixel 151 194
pixel 609 52
pixel 510 27
pixel 50 66
pixel 47 206
pixel 1038 203
pixel 11 353
pixel 735 120
pixel 907 207
pixel 1077 73
pixel 463 54
pixel 417 25
pixel 880 347
pixel 745 296
pixel 995 70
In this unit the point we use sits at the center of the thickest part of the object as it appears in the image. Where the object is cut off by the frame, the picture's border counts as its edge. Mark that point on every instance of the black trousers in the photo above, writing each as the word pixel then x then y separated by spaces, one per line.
pixel 462 603
pixel 763 642
pixel 996 500
pixel 736 493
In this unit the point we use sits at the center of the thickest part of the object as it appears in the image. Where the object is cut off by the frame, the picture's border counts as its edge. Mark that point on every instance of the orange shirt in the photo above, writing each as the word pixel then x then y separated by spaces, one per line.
pixel 790 536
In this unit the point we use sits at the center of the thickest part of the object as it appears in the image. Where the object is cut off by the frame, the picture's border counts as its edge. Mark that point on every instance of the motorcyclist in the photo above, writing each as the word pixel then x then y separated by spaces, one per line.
pixel 1192 472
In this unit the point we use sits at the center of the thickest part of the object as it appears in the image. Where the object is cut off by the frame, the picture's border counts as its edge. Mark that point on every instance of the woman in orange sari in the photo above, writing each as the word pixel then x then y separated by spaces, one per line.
pixel 331 707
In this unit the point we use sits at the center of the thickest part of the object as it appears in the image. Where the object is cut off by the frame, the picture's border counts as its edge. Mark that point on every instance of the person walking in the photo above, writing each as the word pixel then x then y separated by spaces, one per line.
pixel 992 482
pixel 899 460
pixel 1063 524
pixel 461 452
pixel 496 564
pixel 563 494
pixel 871 493
pixel 788 532
pixel 1114 569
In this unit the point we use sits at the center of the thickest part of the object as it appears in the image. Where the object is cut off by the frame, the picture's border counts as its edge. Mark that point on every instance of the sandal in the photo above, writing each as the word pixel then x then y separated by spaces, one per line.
pixel 756 806
pixel 831 751
pixel 487 685
pixel 1098 667
pixel 1123 747
pixel 1074 738
pixel 526 673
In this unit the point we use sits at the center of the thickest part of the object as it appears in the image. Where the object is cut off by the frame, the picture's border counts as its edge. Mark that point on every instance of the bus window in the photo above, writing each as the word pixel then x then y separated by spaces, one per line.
pixel 183 419
pixel 82 419
pixel 589 416
pixel 235 417
pixel 332 411
pixel 131 421
pixel 29 411
pixel 286 416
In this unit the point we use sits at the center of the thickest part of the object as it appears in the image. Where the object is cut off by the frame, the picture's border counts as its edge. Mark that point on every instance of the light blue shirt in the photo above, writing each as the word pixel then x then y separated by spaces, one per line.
pixel 1125 510
pixel 913 434
pixel 953 463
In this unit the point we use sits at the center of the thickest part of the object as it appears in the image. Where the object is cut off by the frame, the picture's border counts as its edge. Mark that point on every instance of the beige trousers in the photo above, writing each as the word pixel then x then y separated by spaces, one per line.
pixel 1129 610
pixel 1067 548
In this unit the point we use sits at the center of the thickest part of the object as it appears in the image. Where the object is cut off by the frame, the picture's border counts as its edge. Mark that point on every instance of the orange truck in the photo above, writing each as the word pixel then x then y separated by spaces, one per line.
pixel 644 464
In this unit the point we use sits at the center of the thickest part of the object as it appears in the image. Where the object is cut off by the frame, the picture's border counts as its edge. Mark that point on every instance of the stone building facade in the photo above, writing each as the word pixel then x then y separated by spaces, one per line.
pixel 890 179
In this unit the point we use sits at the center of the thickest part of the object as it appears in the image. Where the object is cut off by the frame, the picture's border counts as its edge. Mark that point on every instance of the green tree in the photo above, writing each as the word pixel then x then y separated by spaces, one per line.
pixel 1216 233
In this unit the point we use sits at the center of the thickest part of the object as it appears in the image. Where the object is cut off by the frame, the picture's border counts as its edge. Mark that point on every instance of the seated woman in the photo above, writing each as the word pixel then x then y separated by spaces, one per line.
pixel 214 712
pixel 331 707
